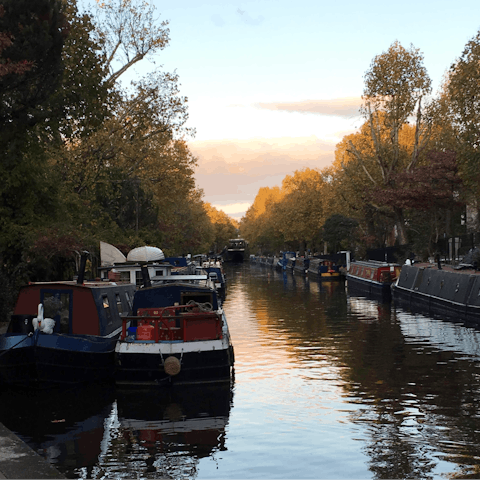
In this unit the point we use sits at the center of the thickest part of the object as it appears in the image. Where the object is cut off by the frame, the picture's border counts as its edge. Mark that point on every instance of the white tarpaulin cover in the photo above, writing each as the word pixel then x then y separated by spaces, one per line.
pixel 110 255
pixel 145 254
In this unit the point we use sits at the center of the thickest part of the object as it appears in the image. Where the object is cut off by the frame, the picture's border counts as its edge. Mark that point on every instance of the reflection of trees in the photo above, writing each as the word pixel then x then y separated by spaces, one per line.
pixel 418 403
pixel 416 397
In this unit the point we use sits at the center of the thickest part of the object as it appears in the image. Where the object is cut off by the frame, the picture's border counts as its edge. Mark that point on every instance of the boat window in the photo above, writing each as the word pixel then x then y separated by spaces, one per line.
pixel 57 306
pixel 129 300
pixel 158 273
pixel 125 277
pixel 119 303
pixel 138 278
pixel 106 307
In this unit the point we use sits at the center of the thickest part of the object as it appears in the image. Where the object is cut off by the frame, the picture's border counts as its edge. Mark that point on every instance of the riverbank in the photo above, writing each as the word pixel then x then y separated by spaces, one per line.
pixel 18 460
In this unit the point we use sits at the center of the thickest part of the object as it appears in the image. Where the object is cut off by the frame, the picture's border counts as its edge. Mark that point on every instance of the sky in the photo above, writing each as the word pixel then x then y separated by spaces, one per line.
pixel 273 86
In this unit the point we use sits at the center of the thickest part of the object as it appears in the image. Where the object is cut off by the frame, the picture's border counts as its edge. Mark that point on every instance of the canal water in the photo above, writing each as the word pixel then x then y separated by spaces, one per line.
pixel 327 385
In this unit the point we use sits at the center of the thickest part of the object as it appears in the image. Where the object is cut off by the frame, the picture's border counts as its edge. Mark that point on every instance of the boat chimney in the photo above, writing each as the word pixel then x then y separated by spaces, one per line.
pixel 146 277
pixel 83 264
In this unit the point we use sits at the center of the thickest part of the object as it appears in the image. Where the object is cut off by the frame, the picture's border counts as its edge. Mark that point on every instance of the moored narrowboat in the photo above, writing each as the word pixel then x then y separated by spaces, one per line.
pixel 448 292
pixel 290 264
pixel 64 333
pixel 372 278
pixel 324 270
pixel 178 334
pixel 301 265
pixel 283 260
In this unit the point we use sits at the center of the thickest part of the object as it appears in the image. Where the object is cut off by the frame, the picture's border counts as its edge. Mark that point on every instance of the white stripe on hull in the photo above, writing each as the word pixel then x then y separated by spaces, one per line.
pixel 172 347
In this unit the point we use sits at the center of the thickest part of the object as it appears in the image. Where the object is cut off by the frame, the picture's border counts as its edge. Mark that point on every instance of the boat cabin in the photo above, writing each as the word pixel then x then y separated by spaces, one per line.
pixel 375 271
pixel 131 272
pixel 90 308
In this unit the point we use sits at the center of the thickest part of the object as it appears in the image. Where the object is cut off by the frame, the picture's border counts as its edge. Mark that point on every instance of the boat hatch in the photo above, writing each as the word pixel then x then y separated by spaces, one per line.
pixel 57 304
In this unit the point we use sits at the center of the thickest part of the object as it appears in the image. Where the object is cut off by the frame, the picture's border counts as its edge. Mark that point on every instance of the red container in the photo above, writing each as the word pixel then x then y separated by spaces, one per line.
pixel 145 332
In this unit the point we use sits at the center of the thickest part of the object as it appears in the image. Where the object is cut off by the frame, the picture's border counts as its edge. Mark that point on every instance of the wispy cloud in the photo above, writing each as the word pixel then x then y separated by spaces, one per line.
pixel 217 20
pixel 247 19
pixel 341 107
pixel 232 171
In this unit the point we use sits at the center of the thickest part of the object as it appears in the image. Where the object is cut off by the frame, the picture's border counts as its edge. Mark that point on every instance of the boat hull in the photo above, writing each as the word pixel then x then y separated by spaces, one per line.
pixel 200 362
pixel 326 276
pixel 45 360
pixel 439 292
pixel 361 286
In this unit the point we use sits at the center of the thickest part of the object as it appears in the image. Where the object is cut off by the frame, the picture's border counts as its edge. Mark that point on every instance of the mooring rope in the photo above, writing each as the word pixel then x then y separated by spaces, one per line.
pixel 13 346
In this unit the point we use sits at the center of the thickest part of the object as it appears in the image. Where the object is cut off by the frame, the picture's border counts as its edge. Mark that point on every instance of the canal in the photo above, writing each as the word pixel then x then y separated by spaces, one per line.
pixel 326 385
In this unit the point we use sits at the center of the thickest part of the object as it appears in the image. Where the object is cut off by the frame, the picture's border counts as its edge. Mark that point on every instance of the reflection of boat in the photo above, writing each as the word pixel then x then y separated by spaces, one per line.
pixel 325 287
pixel 178 334
pixel 185 421
pixel 372 278
pixel 64 332
pixel 65 426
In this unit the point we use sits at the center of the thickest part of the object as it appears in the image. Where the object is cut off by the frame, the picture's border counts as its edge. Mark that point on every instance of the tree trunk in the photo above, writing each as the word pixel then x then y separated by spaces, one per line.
pixel 400 223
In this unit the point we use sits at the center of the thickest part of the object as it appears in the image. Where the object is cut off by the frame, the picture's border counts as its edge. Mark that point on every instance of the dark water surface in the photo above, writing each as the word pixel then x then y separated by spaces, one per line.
pixel 327 385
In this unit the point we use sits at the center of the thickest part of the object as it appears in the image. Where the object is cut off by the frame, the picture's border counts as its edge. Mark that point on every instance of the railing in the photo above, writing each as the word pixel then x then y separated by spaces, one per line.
pixel 192 322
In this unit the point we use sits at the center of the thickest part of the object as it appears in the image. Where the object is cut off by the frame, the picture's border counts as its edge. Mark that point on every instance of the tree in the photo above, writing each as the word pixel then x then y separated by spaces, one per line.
pixel 129 32
pixel 460 102
pixel 339 232
pixel 223 227
pixel 395 86
pixel 32 35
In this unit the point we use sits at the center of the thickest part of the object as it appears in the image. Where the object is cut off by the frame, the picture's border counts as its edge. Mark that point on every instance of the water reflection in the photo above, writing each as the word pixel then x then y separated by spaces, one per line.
pixel 327 385
pixel 164 433
pixel 410 383
pixel 64 426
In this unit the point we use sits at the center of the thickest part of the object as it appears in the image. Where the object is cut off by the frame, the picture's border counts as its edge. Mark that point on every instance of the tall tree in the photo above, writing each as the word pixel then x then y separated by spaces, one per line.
pixel 460 99
pixel 395 86
pixel 33 34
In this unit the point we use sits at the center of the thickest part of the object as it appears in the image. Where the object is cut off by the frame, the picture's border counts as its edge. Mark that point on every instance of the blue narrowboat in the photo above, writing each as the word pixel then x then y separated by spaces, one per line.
pixel 64 333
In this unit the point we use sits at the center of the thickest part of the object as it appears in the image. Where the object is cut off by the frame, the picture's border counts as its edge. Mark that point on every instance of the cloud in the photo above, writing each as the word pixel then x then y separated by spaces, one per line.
pixel 233 208
pixel 233 171
pixel 341 107
pixel 247 19
pixel 217 20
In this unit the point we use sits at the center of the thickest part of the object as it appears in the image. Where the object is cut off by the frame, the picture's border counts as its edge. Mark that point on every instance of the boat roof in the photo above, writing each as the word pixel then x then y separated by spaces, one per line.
pixel 375 263
pixel 73 283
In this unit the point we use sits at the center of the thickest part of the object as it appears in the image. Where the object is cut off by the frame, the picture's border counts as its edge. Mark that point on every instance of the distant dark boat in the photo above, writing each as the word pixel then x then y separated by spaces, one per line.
pixel 64 333
pixel 178 334
pixel 324 270
pixel 372 278
pixel 236 251
pixel 301 265
pixel 447 292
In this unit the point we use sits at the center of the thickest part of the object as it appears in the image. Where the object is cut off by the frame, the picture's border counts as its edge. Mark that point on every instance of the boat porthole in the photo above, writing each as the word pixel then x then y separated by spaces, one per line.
pixel 428 281
pixel 457 288
pixel 441 284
